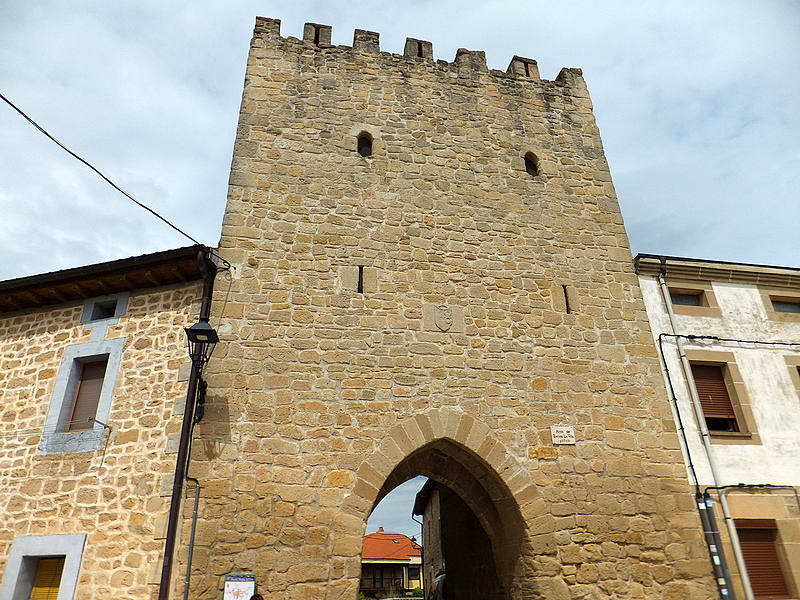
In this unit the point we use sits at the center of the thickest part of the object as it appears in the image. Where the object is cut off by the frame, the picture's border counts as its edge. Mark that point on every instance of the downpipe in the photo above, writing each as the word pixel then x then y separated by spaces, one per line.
pixel 706 438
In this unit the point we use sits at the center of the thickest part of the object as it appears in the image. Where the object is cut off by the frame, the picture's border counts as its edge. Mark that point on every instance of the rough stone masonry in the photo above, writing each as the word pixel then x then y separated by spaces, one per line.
pixel 431 271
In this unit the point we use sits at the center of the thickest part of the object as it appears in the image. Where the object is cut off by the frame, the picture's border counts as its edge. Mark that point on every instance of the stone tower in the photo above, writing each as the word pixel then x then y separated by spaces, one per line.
pixel 431 271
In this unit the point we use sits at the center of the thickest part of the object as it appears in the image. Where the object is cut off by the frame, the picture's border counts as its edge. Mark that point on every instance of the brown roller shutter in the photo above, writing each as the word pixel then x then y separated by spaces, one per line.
pixel 87 396
pixel 757 538
pixel 712 391
pixel 48 579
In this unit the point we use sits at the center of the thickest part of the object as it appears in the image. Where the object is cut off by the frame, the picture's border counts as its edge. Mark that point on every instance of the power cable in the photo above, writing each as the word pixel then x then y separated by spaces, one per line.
pixel 93 168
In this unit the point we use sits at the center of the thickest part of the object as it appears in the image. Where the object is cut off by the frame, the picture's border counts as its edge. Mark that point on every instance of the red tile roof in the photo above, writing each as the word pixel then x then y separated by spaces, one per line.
pixel 389 546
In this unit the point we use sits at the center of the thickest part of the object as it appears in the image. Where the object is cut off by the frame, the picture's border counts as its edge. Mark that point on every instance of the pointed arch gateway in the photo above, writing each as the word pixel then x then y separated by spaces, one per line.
pixel 486 492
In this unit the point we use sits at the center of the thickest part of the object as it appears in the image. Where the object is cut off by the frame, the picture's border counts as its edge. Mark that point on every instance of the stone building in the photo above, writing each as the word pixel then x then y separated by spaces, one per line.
pixel 730 340
pixel 92 364
pixel 455 543
pixel 430 273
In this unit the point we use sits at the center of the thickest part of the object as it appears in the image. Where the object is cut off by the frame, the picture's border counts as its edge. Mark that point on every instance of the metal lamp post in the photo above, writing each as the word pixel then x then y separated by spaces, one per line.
pixel 202 338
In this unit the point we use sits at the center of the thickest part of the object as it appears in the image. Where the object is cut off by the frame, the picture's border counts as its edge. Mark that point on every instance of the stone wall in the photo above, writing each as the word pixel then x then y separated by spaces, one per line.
pixel 433 308
pixel 118 495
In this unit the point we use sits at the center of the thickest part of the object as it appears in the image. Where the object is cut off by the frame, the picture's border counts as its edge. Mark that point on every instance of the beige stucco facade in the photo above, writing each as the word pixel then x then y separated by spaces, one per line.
pixel 98 496
pixel 432 308
pixel 736 326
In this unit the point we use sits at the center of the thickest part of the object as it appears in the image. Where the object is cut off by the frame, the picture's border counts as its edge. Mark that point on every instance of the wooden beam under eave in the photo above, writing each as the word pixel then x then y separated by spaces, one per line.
pixel 36 298
pixel 179 274
pixel 152 278
pixel 58 295
pixel 104 286
pixel 80 290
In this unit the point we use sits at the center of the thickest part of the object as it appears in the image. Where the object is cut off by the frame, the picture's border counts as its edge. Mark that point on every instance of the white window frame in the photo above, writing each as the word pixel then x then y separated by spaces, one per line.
pixel 55 438
pixel 23 560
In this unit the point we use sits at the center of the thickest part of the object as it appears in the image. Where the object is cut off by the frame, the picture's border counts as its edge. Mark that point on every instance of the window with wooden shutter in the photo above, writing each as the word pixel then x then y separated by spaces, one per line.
pixel 758 539
pixel 48 578
pixel 87 396
pixel 713 393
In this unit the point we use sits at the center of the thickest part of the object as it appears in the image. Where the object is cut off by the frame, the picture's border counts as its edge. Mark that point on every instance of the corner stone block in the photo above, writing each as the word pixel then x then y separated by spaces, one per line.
pixel 348 278
pixel 366 41
pixel 154 572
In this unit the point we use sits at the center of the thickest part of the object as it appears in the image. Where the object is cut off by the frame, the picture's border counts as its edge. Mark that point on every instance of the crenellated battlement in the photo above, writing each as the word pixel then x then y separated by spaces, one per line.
pixel 368 42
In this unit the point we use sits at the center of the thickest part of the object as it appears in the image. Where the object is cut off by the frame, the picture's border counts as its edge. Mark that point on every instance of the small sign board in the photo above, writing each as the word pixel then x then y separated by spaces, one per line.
pixel 562 434
pixel 239 587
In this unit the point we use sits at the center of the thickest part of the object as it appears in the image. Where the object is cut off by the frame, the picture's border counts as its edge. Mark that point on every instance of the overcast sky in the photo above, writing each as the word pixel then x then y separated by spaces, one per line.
pixel 697 102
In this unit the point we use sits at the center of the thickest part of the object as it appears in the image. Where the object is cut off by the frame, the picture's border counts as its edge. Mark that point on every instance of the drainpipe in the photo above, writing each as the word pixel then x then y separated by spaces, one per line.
pixel 706 438
pixel 182 459
pixel 188 577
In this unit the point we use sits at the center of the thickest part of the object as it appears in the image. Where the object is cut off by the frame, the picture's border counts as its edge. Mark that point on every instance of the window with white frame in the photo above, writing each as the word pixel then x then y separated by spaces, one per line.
pixel 81 401
pixel 43 567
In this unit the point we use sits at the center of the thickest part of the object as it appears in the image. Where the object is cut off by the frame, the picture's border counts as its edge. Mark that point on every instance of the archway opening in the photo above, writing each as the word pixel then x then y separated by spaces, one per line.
pixel 472 527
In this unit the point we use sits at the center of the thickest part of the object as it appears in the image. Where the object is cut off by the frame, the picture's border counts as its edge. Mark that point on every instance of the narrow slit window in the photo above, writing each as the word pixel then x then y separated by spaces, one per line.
pixel 420 53
pixel 87 396
pixel 566 300
pixel 360 284
pixel 365 144
pixel 316 34
pixel 532 164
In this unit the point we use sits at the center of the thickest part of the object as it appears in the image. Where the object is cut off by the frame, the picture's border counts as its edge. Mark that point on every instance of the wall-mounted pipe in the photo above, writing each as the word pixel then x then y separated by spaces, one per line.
pixel 188 577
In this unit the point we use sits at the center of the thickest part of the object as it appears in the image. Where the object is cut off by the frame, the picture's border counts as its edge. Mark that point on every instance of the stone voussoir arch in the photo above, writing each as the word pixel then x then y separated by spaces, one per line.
pixel 461 452
pixel 512 485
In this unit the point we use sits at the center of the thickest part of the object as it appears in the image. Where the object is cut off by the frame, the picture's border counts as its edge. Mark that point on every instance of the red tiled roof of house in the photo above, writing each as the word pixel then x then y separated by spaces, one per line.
pixel 389 546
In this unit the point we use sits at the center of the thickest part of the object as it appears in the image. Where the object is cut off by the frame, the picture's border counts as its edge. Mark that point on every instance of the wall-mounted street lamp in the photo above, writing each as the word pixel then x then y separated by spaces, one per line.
pixel 202 338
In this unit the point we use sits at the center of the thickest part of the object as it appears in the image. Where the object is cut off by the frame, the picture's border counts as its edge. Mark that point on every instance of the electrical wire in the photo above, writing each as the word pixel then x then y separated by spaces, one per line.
pixel 93 168
pixel 714 338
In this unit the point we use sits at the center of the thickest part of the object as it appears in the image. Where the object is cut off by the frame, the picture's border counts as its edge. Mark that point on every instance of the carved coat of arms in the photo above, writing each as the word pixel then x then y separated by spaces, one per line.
pixel 443 317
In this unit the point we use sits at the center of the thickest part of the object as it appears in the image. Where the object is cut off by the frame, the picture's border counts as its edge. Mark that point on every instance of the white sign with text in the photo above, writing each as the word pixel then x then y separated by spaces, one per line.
pixel 563 434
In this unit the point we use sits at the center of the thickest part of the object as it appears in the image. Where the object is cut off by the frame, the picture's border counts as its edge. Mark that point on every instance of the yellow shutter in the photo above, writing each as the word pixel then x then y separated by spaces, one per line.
pixel 48 578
